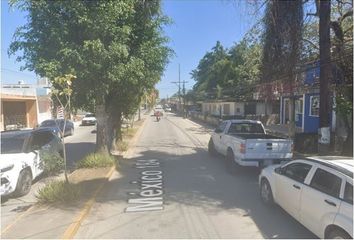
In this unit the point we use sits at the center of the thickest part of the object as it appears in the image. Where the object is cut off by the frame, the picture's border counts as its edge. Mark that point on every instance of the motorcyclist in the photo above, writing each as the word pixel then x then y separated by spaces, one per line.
pixel 158 115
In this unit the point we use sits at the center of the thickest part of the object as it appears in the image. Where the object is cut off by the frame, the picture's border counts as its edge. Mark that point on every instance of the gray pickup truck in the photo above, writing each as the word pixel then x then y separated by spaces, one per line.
pixel 246 143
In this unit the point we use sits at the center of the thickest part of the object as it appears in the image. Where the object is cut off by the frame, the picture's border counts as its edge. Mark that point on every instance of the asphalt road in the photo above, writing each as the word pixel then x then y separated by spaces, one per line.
pixel 77 146
pixel 171 188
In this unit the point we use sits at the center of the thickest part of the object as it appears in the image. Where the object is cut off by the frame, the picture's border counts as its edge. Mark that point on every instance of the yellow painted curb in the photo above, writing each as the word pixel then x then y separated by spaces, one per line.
pixel 19 217
pixel 75 225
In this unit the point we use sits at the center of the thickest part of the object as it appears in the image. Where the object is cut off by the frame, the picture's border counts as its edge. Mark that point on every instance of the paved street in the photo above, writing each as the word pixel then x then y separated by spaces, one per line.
pixel 78 145
pixel 171 188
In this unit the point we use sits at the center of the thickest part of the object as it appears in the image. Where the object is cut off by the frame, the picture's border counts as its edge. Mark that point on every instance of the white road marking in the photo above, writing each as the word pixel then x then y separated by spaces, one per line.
pixel 151 188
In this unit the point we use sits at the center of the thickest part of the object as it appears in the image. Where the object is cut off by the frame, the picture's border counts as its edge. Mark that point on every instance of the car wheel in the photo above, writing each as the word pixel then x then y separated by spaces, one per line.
pixel 211 147
pixel 24 183
pixel 338 234
pixel 266 193
pixel 232 166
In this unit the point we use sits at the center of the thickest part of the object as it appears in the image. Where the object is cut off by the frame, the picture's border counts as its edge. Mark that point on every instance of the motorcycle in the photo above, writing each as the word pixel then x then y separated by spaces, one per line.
pixel 158 116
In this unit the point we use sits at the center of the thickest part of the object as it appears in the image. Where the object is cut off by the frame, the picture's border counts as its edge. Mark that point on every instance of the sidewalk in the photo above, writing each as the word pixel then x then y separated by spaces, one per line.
pixel 62 221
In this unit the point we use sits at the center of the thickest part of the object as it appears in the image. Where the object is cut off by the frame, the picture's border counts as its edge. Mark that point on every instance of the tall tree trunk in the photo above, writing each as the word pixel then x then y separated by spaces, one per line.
pixel 101 137
pixel 113 131
pixel 325 76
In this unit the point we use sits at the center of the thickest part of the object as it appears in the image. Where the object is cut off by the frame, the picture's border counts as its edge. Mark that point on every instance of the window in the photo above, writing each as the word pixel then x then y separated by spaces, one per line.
pixel 314 106
pixel 326 182
pixel 250 109
pixel 12 145
pixel 41 139
pixel 297 171
pixel 348 193
pixel 226 109
pixel 237 128
pixel 221 127
pixel 299 106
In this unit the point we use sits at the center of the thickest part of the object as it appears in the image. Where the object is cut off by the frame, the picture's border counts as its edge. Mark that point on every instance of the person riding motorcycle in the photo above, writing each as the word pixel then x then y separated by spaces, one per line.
pixel 158 114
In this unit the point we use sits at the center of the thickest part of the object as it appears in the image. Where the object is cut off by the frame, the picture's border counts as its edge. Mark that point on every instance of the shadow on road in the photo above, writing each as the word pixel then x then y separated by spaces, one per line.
pixel 206 183
pixel 77 151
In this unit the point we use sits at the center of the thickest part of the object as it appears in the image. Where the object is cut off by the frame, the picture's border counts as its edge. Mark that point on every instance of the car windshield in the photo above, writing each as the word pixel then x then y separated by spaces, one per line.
pixel 12 145
pixel 90 115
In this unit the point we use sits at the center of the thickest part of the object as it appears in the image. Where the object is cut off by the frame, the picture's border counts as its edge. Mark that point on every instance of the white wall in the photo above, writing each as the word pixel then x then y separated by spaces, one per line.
pixel 214 108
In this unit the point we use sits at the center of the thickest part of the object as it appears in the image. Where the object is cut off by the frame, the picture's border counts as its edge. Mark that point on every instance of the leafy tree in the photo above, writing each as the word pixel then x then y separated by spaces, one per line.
pixel 232 73
pixel 62 93
pixel 283 25
pixel 116 49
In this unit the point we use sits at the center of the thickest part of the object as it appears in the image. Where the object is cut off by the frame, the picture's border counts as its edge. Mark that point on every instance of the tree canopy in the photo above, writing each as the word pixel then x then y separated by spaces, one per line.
pixel 116 49
pixel 229 73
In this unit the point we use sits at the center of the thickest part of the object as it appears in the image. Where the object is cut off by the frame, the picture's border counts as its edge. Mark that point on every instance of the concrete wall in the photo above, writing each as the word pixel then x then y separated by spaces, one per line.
pixel 213 108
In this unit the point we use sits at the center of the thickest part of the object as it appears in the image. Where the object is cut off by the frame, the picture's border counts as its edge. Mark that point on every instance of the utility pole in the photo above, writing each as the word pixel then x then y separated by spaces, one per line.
pixel 325 76
pixel 179 85
pixel 184 100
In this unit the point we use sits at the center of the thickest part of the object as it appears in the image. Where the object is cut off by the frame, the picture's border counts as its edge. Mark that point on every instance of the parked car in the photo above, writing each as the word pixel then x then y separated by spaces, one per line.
pixel 246 143
pixel 89 119
pixel 21 159
pixel 317 192
pixel 57 125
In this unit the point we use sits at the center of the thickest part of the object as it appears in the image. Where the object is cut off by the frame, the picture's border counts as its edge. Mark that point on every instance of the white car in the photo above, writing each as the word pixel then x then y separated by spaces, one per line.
pixel 89 119
pixel 317 192
pixel 158 109
pixel 20 158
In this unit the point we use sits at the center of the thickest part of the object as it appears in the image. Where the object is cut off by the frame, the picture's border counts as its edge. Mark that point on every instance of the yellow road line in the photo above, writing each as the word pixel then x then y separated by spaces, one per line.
pixel 75 225
pixel 19 217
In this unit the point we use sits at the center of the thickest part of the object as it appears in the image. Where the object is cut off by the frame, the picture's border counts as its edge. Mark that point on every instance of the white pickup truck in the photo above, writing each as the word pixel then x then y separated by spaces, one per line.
pixel 246 143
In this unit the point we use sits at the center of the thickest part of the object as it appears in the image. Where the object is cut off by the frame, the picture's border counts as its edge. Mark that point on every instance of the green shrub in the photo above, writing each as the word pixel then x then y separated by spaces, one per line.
pixel 122 146
pixel 51 162
pixel 96 160
pixel 58 192
pixel 129 132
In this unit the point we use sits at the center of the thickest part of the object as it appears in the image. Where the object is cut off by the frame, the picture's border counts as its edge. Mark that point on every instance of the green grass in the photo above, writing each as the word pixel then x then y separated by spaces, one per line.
pixel 129 132
pixel 58 192
pixel 122 146
pixel 96 160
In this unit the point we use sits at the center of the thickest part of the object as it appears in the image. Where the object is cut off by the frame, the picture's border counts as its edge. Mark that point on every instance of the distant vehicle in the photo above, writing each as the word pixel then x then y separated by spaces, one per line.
pixel 58 125
pixel 317 192
pixel 20 158
pixel 168 109
pixel 159 109
pixel 246 143
pixel 89 119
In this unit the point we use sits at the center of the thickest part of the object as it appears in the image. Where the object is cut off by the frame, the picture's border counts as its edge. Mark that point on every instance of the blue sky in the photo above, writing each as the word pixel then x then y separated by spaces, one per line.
pixel 197 25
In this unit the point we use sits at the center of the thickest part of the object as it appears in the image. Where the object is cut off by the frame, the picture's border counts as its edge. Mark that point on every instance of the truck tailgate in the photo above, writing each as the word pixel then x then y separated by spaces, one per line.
pixel 268 148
